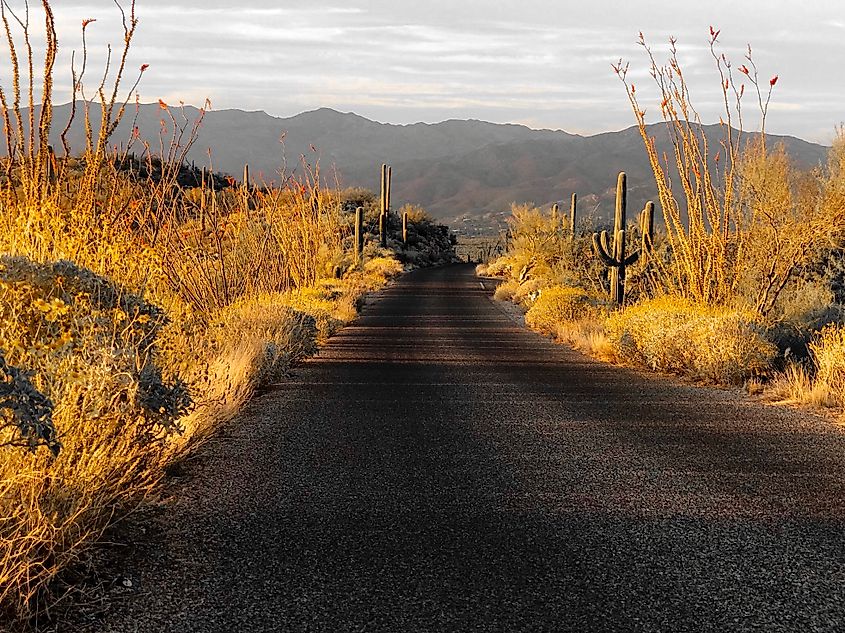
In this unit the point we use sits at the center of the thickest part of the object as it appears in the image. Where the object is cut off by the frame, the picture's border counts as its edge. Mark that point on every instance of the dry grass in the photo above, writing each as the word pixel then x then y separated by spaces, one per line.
pixel 589 336
pixel 820 384
pixel 794 385
pixel 828 350
pixel 506 290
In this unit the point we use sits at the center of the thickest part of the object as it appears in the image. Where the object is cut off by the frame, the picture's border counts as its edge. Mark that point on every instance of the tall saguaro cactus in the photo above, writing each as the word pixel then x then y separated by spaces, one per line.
pixel 572 211
pixel 386 175
pixel 405 228
pixel 614 257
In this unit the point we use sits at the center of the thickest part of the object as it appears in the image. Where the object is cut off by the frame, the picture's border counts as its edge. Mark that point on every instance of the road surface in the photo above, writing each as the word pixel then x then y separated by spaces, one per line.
pixel 438 468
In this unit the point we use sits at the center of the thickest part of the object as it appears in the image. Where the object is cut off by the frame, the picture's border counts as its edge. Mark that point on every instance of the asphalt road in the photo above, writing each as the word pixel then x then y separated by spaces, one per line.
pixel 438 468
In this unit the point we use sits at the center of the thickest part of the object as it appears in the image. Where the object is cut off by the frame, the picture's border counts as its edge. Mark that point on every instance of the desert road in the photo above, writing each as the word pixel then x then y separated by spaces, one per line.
pixel 436 467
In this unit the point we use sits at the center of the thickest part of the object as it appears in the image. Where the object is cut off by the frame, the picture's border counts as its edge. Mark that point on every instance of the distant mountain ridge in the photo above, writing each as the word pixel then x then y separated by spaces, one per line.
pixel 465 171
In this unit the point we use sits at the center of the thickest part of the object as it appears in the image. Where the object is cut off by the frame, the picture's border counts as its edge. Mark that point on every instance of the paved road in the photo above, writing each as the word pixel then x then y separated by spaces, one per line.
pixel 437 468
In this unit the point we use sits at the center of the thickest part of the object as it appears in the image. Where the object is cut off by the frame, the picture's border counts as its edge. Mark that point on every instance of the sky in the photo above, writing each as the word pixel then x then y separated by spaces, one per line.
pixel 546 64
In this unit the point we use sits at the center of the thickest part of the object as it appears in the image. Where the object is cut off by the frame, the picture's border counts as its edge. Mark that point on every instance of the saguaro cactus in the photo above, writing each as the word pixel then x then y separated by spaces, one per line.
pixel 646 232
pixel 614 258
pixel 405 228
pixel 555 214
pixel 359 235
pixel 386 174
pixel 572 212
pixel 387 189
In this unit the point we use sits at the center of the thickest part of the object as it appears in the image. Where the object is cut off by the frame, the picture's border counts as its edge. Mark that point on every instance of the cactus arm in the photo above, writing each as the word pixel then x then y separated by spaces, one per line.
pixel 601 249
pixel 619 246
pixel 632 258
pixel 606 246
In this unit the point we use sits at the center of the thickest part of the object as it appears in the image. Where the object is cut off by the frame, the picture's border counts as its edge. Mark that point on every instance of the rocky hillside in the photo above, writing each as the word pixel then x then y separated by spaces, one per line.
pixel 464 172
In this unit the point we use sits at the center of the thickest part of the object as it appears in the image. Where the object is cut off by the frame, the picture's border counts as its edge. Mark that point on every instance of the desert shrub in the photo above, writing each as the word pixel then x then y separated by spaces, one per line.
pixel 542 250
pixel 784 226
pixel 497 268
pixel 429 243
pixel 62 322
pixel 560 305
pixel 678 335
pixel 506 290
pixel 90 349
pixel 380 269
pixel 527 292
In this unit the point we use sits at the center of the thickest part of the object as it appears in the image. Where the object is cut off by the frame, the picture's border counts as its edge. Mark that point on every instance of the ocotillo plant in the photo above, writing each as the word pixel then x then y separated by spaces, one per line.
pixel 359 235
pixel 572 212
pixel 614 258
pixel 646 232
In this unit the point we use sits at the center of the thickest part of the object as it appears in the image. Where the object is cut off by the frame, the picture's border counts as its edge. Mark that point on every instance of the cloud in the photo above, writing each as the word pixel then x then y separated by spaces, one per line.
pixel 535 60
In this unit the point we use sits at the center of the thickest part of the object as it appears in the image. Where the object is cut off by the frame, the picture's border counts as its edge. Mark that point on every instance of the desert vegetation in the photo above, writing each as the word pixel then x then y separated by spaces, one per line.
pixel 741 280
pixel 143 301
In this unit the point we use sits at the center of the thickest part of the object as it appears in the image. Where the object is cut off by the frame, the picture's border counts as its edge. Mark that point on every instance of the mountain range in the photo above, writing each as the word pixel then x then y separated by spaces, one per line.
pixel 466 172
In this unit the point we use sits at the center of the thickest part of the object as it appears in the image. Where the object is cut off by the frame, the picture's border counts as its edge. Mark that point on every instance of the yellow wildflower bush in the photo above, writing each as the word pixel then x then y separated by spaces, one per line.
pixel 89 349
pixel 678 335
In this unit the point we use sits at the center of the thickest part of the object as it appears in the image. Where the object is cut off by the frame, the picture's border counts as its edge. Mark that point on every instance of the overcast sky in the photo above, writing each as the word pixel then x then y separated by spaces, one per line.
pixel 543 63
